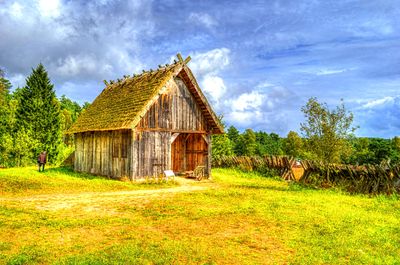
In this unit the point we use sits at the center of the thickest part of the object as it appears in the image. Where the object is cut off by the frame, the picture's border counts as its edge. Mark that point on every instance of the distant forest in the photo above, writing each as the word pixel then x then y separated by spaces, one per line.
pixel 33 119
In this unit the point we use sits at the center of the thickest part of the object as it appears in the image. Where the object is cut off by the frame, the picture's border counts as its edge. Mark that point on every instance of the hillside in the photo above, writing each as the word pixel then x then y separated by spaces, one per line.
pixel 61 217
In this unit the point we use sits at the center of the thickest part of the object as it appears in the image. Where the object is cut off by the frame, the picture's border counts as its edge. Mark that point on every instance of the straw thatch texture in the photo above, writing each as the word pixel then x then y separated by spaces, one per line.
pixel 120 104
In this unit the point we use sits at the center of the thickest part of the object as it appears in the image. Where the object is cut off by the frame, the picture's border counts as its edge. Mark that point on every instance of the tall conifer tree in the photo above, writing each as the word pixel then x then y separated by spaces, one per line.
pixel 39 112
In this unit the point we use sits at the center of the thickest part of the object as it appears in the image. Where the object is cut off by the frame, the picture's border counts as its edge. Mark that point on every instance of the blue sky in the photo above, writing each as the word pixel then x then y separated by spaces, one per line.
pixel 257 61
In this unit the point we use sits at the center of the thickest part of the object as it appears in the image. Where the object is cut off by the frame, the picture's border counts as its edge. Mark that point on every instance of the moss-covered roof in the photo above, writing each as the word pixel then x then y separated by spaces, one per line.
pixel 121 105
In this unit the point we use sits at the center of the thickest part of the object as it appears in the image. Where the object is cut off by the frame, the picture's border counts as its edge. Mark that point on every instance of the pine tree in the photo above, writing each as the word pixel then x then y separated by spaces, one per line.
pixel 39 112
pixel 6 143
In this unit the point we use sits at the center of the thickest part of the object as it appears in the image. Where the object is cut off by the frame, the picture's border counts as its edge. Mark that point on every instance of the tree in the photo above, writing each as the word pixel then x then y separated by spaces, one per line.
pixel 293 144
pixel 234 135
pixel 39 113
pixel 6 143
pixel 247 143
pixel 327 130
pixel 268 144
pixel 70 110
pixel 72 107
pixel 221 144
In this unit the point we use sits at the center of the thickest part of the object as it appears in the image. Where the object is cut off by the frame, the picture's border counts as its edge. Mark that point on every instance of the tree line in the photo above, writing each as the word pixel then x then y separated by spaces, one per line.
pixel 326 135
pixel 33 119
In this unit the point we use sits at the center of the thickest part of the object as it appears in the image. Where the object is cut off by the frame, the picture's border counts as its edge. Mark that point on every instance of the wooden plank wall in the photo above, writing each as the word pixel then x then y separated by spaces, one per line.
pixel 151 154
pixel 196 151
pixel 189 151
pixel 175 110
pixel 96 153
pixel 177 153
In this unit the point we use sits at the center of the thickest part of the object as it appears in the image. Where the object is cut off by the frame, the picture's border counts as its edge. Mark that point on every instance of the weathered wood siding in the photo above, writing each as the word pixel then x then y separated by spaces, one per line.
pixel 189 151
pixel 105 153
pixel 151 151
pixel 175 110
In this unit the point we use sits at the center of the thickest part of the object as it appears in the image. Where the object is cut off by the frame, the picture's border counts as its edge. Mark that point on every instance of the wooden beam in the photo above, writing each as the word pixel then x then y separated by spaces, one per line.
pixel 179 57
pixel 187 60
pixel 167 130
pixel 173 137
pixel 208 168
pixel 205 138
pixel 187 137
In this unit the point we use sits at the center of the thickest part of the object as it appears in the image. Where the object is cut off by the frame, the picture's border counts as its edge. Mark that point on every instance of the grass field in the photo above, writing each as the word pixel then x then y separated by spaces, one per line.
pixel 60 217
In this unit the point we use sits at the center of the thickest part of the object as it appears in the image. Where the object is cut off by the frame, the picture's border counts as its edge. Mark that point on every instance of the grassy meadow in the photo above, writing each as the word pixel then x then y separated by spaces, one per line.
pixel 61 217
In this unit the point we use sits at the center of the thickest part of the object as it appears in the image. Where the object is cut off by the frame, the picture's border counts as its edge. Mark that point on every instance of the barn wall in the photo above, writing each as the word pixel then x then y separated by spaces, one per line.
pixel 105 153
pixel 175 110
pixel 151 153
pixel 189 151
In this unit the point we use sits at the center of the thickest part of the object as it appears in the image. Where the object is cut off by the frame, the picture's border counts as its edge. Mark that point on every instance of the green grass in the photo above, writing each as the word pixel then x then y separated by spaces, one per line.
pixel 242 218
pixel 62 180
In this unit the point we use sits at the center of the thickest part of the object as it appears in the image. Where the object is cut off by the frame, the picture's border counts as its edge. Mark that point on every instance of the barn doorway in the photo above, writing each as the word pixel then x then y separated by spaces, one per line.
pixel 188 151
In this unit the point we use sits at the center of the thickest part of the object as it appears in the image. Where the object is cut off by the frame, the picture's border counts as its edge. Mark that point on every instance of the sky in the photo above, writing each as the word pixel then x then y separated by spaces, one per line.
pixel 258 62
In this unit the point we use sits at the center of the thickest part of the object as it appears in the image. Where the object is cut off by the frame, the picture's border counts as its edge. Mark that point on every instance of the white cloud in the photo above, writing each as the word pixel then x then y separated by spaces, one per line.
pixel 378 102
pixel 331 71
pixel 248 101
pixel 49 8
pixel 81 64
pixel 211 61
pixel 264 84
pixel 245 118
pixel 16 10
pixel 207 67
pixel 203 19
pixel 213 86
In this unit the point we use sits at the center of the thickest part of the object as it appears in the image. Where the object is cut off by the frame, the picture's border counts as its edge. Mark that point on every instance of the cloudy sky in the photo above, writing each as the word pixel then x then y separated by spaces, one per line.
pixel 257 61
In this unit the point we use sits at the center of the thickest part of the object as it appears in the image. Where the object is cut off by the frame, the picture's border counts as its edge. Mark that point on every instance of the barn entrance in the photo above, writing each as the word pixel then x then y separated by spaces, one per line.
pixel 188 151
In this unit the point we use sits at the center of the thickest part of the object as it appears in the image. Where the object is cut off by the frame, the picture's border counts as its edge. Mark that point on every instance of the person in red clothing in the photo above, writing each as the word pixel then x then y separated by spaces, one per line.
pixel 42 159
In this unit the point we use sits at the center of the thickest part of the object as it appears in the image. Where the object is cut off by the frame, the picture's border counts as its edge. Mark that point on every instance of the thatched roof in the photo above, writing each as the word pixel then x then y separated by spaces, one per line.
pixel 122 104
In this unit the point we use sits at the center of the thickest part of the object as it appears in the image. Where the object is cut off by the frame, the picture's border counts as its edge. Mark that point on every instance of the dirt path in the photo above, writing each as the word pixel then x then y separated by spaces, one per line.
pixel 92 200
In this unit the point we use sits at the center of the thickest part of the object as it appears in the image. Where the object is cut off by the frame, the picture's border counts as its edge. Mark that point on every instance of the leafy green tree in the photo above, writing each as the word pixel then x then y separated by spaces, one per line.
pixel 247 143
pixel 268 144
pixel 383 149
pixel 361 153
pixel 85 106
pixel 327 130
pixel 70 110
pixel 221 144
pixel 39 113
pixel 396 143
pixel 293 145
pixel 25 145
pixel 234 135
pixel 72 107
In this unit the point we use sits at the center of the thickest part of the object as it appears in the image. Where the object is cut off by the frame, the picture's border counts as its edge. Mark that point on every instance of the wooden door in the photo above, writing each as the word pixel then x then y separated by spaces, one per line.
pixel 177 154
pixel 196 151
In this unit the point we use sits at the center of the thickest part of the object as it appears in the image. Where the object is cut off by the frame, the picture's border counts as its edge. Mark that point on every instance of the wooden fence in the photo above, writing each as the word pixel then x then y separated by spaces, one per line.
pixel 368 179
pixel 283 164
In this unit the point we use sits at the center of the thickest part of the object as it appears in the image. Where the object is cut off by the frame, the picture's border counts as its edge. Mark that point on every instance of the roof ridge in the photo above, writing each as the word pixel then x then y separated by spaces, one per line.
pixel 121 104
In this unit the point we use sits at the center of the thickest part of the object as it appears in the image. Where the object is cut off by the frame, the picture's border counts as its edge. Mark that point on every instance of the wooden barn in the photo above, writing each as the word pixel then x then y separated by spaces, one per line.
pixel 145 124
